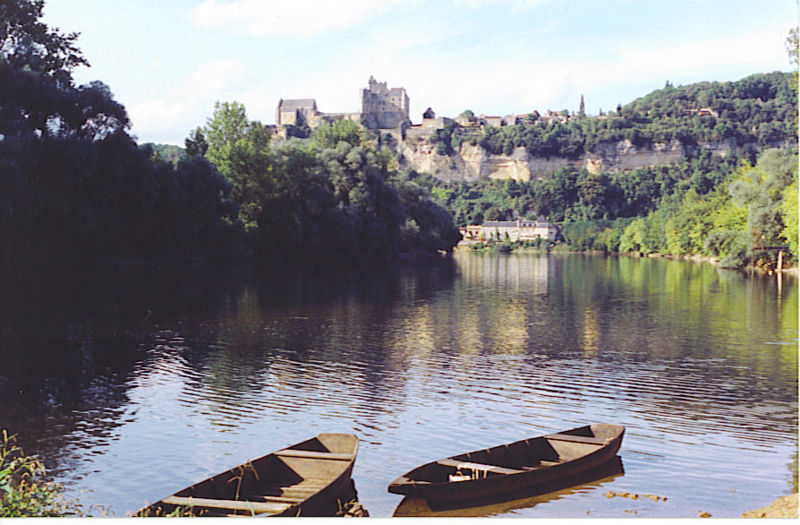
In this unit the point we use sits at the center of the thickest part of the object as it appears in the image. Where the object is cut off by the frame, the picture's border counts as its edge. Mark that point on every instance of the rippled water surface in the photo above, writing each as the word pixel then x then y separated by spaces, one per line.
pixel 134 386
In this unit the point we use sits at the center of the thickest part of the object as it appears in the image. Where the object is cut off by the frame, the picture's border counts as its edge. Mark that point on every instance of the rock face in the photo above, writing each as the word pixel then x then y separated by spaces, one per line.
pixel 472 163
pixel 624 156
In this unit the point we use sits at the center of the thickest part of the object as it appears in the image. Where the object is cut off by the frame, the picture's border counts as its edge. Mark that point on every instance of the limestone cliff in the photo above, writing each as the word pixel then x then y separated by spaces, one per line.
pixel 474 163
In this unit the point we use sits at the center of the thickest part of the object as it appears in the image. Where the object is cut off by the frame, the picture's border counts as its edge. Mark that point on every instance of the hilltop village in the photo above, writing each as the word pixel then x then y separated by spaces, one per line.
pixel 386 110
pixel 385 116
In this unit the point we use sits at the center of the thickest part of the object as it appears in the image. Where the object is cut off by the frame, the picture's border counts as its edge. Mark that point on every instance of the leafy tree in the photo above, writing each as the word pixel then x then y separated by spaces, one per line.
pixel 27 43
pixel 467 114
pixel 329 134
pixel 75 185
pixel 793 46
pixel 760 189
pixel 195 143
pixel 223 130
pixel 790 216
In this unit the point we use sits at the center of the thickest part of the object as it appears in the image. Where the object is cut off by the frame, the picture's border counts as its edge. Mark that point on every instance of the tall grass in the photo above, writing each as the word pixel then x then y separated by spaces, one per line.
pixel 24 492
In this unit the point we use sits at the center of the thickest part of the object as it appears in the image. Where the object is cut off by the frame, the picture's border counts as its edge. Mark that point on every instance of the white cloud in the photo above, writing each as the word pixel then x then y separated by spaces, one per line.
pixel 700 55
pixel 174 112
pixel 293 18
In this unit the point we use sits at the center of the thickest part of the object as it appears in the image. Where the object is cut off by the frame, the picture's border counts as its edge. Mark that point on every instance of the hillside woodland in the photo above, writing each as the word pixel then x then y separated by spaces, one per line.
pixel 722 206
pixel 759 110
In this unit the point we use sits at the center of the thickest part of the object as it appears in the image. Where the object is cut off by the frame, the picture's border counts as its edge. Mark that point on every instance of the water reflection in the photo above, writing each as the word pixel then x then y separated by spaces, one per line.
pixel 193 370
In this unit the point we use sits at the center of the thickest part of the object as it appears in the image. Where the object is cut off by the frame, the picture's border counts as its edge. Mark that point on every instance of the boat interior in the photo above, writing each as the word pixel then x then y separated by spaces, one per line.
pixel 271 484
pixel 521 456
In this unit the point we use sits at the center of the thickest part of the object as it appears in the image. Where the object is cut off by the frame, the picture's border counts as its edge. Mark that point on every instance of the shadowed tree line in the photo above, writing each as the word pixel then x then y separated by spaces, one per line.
pixel 76 186
pixel 335 194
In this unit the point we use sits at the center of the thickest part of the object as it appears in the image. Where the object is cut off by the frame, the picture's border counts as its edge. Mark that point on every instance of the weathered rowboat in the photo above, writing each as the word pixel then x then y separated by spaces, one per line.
pixel 534 466
pixel 301 480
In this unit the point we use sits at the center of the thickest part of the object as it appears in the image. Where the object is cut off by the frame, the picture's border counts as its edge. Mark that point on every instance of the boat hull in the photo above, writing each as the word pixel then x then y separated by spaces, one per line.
pixel 532 466
pixel 301 480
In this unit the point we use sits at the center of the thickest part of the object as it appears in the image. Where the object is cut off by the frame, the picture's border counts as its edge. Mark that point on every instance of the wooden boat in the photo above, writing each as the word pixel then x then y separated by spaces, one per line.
pixel 534 466
pixel 301 480
pixel 593 480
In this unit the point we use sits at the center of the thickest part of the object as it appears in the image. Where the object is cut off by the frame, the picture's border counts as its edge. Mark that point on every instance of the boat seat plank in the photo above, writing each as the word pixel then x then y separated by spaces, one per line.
pixel 311 454
pixel 546 463
pixel 456 463
pixel 283 498
pixel 578 439
pixel 254 506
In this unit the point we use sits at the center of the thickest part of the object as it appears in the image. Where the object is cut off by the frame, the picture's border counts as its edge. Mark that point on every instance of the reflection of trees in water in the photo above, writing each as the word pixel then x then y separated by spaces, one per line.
pixel 71 340
pixel 286 341
pixel 655 333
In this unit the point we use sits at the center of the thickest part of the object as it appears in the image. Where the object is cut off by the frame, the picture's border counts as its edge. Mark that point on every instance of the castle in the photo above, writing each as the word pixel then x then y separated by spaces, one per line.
pixel 381 108
pixel 387 109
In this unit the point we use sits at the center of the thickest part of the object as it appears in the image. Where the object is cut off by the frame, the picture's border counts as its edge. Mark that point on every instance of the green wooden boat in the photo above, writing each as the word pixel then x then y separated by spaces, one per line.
pixel 301 480
pixel 535 466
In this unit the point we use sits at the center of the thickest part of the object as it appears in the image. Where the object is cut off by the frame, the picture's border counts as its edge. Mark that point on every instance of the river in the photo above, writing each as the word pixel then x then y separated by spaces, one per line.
pixel 134 384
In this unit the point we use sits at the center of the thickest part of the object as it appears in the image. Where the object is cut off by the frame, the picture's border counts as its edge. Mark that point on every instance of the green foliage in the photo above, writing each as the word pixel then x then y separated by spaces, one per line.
pixel 27 43
pixel 76 186
pixel 332 194
pixel 599 235
pixel 23 492
pixel 793 46
pixel 761 190
pixel 448 140
pixel 329 134
pixel 164 152
pixel 759 109
pixel 790 216
pixel 195 144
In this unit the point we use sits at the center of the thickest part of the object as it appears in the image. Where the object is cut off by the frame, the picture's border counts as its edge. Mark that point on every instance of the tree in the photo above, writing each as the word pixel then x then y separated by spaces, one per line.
pixel 195 143
pixel 329 134
pixel 793 46
pixel 760 189
pixel 222 131
pixel 790 217
pixel 467 114
pixel 26 42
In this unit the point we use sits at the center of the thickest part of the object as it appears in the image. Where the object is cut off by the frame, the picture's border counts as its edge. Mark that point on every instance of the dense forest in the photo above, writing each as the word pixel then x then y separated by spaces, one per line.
pixel 724 208
pixel 730 207
pixel 77 187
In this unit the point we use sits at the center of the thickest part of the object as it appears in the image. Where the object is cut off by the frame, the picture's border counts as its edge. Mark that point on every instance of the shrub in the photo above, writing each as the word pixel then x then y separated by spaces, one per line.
pixel 23 493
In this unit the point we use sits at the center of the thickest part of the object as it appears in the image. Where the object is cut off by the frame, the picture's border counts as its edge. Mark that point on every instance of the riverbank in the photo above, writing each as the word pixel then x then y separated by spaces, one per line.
pixel 482 246
pixel 785 507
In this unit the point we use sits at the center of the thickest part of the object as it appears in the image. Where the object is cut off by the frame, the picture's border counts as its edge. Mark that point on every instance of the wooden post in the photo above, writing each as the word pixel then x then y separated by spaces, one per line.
pixel 780 260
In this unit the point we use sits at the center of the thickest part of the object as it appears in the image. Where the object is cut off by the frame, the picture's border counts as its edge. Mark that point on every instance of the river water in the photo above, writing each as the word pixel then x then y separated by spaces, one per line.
pixel 133 385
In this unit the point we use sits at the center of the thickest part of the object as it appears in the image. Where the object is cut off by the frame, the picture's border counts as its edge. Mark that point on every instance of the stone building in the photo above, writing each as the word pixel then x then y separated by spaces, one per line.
pixel 383 108
pixel 519 230
pixel 296 112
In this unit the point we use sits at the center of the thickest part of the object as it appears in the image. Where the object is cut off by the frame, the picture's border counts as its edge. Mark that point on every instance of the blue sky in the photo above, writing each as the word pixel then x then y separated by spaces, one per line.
pixel 168 61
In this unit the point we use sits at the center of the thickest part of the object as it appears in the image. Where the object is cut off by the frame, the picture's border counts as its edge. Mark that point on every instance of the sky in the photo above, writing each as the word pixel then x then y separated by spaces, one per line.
pixel 169 61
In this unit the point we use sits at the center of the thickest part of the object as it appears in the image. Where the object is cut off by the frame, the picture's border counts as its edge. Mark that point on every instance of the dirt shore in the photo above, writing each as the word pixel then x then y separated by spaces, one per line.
pixel 785 507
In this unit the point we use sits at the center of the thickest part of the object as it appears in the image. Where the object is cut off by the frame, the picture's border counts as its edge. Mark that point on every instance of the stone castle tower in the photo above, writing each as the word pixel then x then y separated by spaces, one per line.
pixel 383 108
